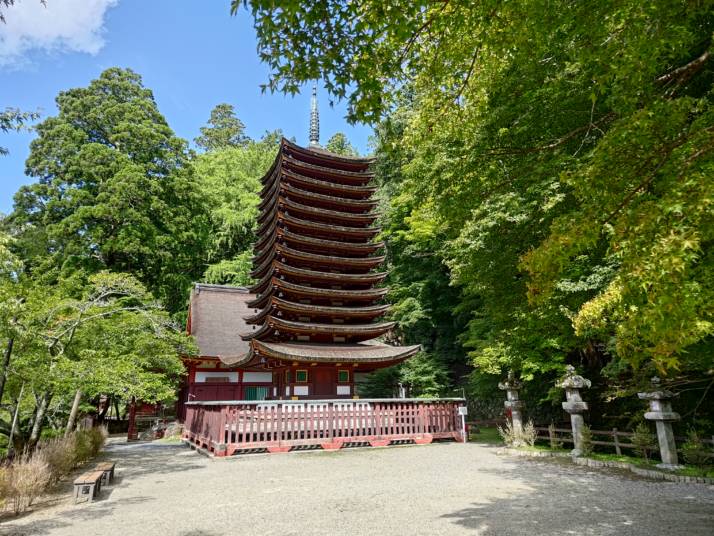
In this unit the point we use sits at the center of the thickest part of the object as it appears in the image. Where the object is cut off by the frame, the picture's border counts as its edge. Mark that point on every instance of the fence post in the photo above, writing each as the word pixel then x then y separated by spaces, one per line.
pixel 551 434
pixel 616 440
pixel 661 412
pixel 572 383
pixel 512 385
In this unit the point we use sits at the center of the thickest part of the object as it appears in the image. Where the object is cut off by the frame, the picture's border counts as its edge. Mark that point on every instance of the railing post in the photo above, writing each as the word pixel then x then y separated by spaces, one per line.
pixel 616 440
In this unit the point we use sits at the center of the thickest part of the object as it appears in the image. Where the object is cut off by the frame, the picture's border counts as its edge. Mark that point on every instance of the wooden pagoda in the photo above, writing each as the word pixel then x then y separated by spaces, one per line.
pixel 316 263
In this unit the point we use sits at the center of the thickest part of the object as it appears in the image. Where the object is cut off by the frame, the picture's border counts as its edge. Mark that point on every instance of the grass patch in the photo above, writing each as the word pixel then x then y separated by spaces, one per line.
pixel 486 434
pixel 689 470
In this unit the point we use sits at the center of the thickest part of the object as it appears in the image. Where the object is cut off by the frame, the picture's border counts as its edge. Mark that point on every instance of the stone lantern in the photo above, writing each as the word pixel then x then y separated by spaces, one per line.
pixel 574 405
pixel 661 413
pixel 512 385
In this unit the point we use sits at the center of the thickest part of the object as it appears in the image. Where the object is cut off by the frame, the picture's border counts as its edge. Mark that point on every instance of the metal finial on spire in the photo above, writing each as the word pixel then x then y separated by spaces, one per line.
pixel 314 119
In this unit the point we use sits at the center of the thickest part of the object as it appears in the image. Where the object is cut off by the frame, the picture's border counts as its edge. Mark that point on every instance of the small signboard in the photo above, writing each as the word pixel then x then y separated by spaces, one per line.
pixel 463 410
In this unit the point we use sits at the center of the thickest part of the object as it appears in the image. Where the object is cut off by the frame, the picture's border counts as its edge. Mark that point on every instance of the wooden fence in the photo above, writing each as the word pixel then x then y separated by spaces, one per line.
pixel 226 427
pixel 565 435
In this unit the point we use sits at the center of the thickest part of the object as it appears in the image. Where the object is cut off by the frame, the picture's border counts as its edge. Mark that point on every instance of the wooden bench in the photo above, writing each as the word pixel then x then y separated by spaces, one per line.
pixel 108 469
pixel 90 483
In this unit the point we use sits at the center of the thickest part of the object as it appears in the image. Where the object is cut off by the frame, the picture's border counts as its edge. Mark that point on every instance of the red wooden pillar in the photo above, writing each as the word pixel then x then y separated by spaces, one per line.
pixel 132 434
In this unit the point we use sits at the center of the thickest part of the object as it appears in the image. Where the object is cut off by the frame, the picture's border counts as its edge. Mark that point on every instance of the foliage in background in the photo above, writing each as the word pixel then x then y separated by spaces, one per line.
pixel 223 131
pixel 553 161
pixel 644 441
pixel 14 119
pixel 339 144
pixel 113 191
pixel 229 182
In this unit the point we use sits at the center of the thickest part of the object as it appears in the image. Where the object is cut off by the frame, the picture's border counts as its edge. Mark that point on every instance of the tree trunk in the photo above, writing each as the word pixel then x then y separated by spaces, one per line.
pixel 73 412
pixel 10 444
pixel 42 405
pixel 5 364
pixel 103 414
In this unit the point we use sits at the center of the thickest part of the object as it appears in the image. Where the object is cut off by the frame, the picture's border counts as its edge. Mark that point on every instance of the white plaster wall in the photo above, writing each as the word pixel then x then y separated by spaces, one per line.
pixel 343 389
pixel 202 375
pixel 257 377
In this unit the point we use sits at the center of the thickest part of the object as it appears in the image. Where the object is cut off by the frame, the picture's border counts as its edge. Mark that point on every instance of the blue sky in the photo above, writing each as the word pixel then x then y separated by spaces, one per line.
pixel 193 55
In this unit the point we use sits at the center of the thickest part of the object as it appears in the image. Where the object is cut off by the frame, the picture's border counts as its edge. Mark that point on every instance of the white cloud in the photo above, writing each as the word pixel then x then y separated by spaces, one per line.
pixel 58 26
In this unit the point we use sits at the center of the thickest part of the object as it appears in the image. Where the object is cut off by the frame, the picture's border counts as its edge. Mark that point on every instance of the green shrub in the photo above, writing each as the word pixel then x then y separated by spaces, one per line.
pixel 97 437
pixel 693 450
pixel 644 441
pixel 82 447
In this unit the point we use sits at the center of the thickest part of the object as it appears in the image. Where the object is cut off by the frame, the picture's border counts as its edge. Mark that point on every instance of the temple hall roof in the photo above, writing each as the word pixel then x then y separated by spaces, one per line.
pixel 216 319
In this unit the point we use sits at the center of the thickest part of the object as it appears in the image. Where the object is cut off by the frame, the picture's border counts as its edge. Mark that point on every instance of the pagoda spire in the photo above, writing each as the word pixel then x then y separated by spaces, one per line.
pixel 314 119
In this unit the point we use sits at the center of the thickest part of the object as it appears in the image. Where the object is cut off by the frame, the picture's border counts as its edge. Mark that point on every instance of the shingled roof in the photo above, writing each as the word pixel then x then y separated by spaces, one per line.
pixel 216 320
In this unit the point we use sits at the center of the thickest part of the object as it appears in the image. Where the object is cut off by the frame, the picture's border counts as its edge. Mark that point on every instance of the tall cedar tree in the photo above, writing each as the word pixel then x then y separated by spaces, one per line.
pixel 113 191
pixel 223 131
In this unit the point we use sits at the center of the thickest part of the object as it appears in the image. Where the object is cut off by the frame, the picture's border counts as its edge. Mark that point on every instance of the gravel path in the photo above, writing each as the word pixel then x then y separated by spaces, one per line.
pixel 446 488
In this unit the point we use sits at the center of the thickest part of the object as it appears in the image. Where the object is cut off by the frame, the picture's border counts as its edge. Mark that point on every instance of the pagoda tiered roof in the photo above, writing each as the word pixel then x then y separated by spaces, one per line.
pixel 317 263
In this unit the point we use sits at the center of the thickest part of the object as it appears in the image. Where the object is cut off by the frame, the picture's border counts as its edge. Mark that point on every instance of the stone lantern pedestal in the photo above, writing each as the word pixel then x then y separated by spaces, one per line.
pixel 574 405
pixel 513 402
pixel 661 413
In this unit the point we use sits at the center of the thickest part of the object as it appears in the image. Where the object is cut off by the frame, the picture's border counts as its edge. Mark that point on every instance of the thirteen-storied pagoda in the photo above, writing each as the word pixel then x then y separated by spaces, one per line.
pixel 316 309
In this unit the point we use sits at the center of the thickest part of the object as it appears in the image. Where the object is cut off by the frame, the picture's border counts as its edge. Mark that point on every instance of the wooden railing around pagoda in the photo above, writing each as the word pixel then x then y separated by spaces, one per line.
pixel 224 427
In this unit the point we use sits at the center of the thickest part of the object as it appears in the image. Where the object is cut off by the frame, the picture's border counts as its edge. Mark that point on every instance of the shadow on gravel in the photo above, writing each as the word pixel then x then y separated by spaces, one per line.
pixel 568 499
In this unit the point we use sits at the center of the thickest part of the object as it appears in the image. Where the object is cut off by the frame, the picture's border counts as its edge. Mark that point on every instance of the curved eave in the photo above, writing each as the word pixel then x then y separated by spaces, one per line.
pixel 328 228
pixel 347 204
pixel 278 304
pixel 353 331
pixel 314 275
pixel 352 178
pixel 337 216
pixel 334 353
pixel 348 217
pixel 331 245
pixel 358 249
pixel 354 192
pixel 276 284
pixel 356 163
pixel 366 263
pixel 355 205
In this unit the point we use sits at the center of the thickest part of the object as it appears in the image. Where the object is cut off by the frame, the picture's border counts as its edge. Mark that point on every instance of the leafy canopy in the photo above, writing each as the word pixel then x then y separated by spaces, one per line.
pixel 559 158
pixel 113 191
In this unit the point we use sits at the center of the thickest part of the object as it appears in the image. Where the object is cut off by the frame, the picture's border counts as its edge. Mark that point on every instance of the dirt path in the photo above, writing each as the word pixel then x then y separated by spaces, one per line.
pixel 164 489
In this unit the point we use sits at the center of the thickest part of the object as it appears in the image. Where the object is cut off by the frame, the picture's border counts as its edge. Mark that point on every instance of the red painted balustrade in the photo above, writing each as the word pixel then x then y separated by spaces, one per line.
pixel 224 427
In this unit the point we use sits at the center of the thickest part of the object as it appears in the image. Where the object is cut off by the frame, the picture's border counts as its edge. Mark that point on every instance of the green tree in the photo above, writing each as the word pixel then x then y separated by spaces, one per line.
pixel 104 335
pixel 560 163
pixel 114 191
pixel 339 144
pixel 229 181
pixel 12 119
pixel 224 130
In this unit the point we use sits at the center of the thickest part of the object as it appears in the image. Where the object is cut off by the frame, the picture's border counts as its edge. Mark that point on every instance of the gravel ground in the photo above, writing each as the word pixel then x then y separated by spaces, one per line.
pixel 447 488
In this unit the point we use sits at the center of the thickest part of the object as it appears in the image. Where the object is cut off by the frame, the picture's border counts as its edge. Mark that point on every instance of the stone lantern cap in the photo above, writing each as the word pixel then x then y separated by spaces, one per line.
pixel 660 405
pixel 572 380
pixel 657 393
pixel 511 384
